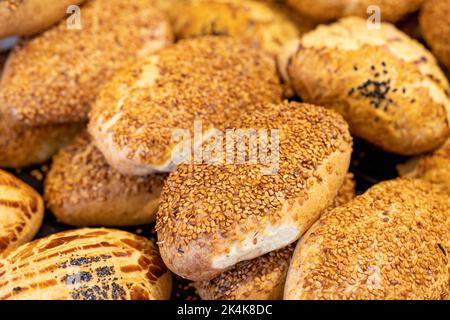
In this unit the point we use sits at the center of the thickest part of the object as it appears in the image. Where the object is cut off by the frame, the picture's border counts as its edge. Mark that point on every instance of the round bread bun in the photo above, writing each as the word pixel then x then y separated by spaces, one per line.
pixel 55 76
pixel 326 10
pixel 22 146
pixel 210 79
pixel 81 189
pixel 390 243
pixel 262 278
pixel 214 215
pixel 27 17
pixel 387 86
pixel 260 24
pixel 85 264
pixel 434 168
pixel 21 212
pixel 435 26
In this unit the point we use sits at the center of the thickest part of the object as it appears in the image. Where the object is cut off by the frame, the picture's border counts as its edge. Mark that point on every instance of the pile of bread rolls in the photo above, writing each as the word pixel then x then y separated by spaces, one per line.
pixel 96 89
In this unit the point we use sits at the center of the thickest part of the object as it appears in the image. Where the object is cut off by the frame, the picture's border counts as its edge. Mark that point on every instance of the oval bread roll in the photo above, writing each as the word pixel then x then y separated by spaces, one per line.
pixel 387 86
pixel 81 189
pixel 21 212
pixel 435 27
pixel 211 79
pixel 22 146
pixel 26 17
pixel 326 10
pixel 434 168
pixel 85 264
pixel 213 216
pixel 262 25
pixel 55 76
pixel 262 278
pixel 390 243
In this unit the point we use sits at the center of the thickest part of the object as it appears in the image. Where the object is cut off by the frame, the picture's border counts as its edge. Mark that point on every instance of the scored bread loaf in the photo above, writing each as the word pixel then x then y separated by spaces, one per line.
pixel 81 189
pixel 85 264
pixel 262 278
pixel 326 10
pixel 26 17
pixel 390 243
pixel 212 80
pixel 387 86
pixel 21 212
pixel 55 76
pixel 214 215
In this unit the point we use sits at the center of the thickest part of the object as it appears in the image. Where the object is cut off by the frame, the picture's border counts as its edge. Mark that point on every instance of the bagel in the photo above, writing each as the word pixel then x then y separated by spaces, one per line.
pixel 211 79
pixel 389 243
pixel 21 212
pixel 434 168
pixel 214 215
pixel 55 76
pixel 387 86
pixel 262 278
pixel 26 17
pixel 260 24
pixel 22 146
pixel 81 189
pixel 434 22
pixel 326 10
pixel 85 264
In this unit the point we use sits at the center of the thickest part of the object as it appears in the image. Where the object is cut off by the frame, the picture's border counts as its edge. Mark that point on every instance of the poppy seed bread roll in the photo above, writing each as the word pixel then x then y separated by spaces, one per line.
pixel 387 86
pixel 392 242
pixel 213 216
pixel 55 76
pixel 27 17
pixel 434 168
pixel 326 10
pixel 81 189
pixel 214 80
pixel 85 264
pixel 434 22
pixel 21 212
pixel 262 278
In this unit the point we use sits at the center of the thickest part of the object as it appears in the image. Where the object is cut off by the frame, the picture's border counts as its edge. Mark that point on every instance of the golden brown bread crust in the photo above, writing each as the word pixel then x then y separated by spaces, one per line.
pixel 85 264
pixel 81 189
pixel 386 85
pixel 390 243
pixel 49 79
pixel 326 10
pixel 22 146
pixel 21 212
pixel 210 79
pixel 261 25
pixel 213 216
pixel 435 26
pixel 262 278
pixel 26 17
pixel 434 168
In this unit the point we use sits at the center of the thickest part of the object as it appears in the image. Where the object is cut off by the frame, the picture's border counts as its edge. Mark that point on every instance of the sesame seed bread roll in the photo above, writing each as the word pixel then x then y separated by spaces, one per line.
pixel 260 24
pixel 389 243
pixel 22 146
pixel 210 79
pixel 213 216
pixel 21 212
pixel 81 189
pixel 26 17
pixel 262 278
pixel 326 10
pixel 435 27
pixel 55 76
pixel 434 167
pixel 387 86
pixel 85 264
